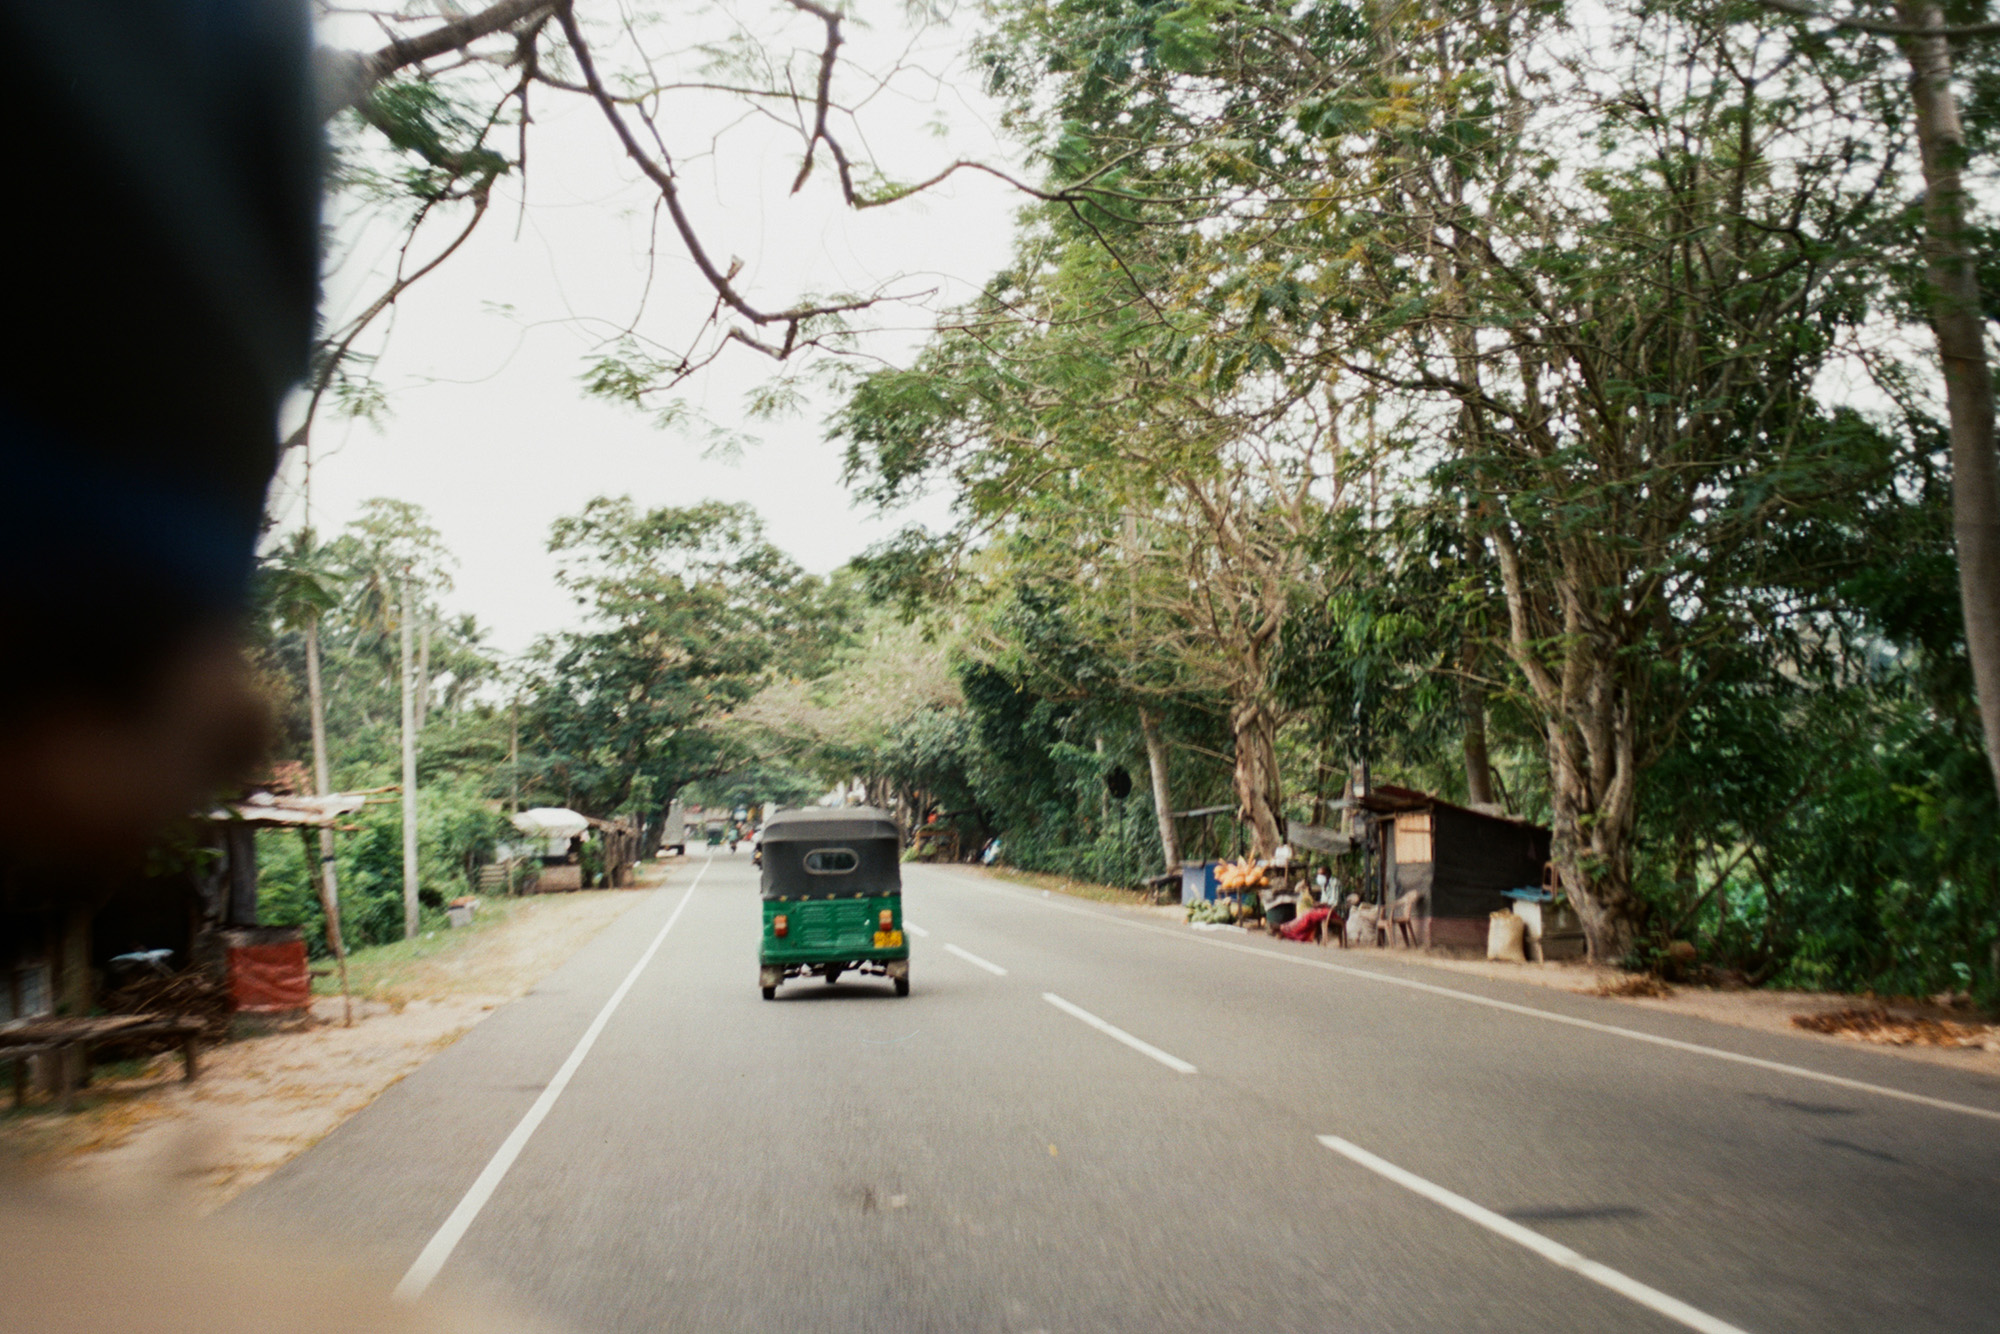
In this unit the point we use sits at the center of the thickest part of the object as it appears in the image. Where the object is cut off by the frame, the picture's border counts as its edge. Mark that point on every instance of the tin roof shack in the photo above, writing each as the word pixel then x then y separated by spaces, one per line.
pixel 555 833
pixel 76 938
pixel 1463 861
pixel 265 966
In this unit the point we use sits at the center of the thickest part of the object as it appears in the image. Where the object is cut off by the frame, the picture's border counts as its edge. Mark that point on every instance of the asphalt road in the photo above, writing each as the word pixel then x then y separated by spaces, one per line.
pixel 1268 1137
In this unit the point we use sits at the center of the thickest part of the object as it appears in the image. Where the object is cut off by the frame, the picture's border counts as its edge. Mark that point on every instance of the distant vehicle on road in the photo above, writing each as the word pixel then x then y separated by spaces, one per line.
pixel 833 897
pixel 674 829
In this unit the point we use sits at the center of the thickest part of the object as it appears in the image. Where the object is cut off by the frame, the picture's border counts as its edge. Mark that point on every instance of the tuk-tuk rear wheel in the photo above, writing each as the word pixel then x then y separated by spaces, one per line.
pixel 770 993
pixel 902 986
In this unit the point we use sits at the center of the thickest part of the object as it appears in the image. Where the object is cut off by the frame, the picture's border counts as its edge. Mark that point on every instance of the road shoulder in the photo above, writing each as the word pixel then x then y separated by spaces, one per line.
pixel 260 1102
pixel 1764 1011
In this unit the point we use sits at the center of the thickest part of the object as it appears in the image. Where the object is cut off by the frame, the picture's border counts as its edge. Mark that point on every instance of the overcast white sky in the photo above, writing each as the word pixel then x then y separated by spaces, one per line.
pixel 488 429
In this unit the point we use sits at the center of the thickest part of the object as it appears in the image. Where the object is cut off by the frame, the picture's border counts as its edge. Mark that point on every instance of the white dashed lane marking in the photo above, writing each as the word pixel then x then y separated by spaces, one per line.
pixel 975 960
pixel 1172 1062
pixel 1554 1252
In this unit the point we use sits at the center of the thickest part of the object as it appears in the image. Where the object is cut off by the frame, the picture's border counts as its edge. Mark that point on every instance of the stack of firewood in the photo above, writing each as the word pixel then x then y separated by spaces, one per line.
pixel 192 993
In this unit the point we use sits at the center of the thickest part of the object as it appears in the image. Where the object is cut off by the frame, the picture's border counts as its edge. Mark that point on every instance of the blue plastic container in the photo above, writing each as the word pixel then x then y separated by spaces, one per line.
pixel 1198 883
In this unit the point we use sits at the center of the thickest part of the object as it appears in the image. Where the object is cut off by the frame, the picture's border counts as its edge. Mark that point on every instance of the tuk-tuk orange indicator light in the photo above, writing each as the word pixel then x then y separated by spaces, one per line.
pixel 888 919
pixel 779 926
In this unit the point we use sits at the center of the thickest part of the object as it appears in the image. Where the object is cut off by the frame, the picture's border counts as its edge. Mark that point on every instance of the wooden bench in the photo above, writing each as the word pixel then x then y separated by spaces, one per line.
pixel 68 1041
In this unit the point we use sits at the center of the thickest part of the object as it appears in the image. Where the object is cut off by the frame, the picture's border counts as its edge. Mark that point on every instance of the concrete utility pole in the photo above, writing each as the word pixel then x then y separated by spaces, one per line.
pixel 409 769
pixel 514 774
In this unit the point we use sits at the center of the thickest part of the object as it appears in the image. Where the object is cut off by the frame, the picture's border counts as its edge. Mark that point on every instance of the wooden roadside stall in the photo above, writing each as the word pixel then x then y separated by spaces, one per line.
pixel 62 925
pixel 619 842
pixel 265 965
pixel 555 833
pixel 1449 866
pixel 146 962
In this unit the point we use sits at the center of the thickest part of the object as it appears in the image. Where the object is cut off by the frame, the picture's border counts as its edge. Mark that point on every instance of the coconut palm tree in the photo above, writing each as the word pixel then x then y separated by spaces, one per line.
pixel 303 590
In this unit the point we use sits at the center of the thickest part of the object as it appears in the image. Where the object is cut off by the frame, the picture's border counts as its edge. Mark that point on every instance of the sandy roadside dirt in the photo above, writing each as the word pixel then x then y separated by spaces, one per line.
pixel 1766 1011
pixel 259 1102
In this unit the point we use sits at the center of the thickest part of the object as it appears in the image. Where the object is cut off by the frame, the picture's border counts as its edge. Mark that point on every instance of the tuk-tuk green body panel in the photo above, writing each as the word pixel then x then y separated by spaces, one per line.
pixel 833 930
pixel 834 874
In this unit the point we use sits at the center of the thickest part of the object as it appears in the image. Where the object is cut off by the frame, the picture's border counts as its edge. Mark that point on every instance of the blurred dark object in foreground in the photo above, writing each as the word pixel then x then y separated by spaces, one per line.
pixel 164 170
pixel 162 161
pixel 66 1269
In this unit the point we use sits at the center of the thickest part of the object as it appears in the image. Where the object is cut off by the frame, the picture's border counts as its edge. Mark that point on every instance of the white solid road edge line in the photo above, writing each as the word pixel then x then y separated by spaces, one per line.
pixel 914 929
pixel 1113 1031
pixel 445 1240
pixel 1554 1252
pixel 974 959
pixel 1550 1016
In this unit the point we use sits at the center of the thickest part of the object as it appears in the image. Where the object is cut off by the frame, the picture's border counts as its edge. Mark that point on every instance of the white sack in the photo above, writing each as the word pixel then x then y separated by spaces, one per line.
pixel 1504 934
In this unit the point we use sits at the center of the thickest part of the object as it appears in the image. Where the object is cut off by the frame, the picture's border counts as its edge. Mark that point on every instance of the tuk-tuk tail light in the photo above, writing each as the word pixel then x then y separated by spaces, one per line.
pixel 888 919
pixel 780 927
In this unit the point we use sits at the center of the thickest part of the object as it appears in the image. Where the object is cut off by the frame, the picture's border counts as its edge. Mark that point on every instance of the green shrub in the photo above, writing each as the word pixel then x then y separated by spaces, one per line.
pixel 457 829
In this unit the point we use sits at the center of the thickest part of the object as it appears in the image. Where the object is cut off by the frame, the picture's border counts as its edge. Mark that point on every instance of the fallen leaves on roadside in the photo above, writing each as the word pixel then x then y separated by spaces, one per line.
pixel 1876 1025
pixel 1627 988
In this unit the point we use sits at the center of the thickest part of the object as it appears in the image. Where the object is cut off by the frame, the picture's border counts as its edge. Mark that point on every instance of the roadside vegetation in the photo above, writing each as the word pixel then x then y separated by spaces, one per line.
pixel 1523 399
pixel 1537 404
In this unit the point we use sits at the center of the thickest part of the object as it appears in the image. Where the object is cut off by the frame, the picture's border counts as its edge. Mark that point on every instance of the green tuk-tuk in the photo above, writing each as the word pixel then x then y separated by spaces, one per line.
pixel 833 897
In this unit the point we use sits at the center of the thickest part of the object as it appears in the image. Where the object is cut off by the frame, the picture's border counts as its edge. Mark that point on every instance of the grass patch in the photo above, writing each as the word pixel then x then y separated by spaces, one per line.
pixel 506 936
pixel 1076 889
pixel 374 970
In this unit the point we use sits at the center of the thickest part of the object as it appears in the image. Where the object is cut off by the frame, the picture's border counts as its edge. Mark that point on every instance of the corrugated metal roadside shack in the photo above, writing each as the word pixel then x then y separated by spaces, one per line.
pixel 1452 865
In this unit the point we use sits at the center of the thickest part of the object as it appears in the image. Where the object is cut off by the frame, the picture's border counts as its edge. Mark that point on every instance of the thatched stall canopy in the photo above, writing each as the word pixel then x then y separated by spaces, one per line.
pixel 620 842
pixel 553 830
pixel 1458 862
pixel 555 833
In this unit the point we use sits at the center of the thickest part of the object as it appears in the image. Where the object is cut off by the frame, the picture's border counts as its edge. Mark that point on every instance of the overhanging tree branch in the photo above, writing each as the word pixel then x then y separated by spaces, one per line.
pixel 347 77
pixel 1797 9
pixel 662 177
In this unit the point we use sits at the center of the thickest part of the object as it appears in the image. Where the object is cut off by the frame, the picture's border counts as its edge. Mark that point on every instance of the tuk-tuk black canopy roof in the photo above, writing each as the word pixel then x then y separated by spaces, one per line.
pixel 823 822
pixel 790 837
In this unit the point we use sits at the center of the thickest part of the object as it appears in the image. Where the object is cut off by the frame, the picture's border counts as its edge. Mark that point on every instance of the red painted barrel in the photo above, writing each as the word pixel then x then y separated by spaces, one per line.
pixel 267 970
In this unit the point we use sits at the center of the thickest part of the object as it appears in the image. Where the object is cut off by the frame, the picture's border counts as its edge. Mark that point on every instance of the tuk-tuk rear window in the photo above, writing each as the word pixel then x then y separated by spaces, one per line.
pixel 831 861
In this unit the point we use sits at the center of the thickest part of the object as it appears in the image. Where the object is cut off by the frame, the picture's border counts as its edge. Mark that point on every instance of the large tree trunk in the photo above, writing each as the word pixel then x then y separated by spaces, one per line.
pixel 1163 797
pixel 329 886
pixel 1593 765
pixel 1259 793
pixel 1592 844
pixel 1961 339
pixel 1478 766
